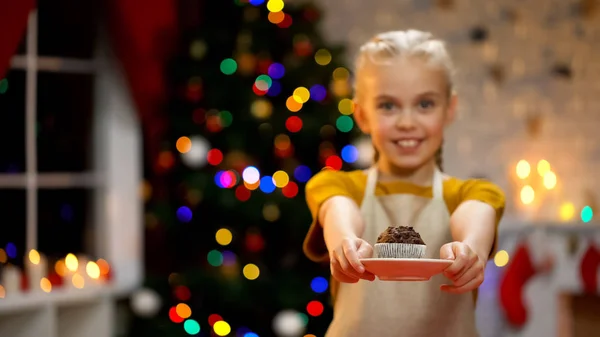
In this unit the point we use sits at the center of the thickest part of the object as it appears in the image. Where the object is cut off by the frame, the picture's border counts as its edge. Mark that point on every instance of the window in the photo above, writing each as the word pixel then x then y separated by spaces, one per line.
pixel 71 146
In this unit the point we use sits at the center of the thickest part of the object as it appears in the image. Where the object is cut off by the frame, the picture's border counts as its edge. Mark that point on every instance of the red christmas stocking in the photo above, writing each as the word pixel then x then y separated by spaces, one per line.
pixel 589 269
pixel 518 272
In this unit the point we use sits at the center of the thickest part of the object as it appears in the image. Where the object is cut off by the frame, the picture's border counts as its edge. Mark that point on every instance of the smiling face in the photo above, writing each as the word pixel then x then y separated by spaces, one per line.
pixel 405 107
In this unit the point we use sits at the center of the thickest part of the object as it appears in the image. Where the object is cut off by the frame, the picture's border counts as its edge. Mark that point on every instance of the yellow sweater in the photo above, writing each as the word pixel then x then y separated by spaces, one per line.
pixel 328 183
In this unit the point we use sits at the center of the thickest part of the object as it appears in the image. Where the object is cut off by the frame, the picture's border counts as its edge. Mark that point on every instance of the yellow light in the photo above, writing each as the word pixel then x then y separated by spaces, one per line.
pixel 523 169
pixel 501 258
pixel 281 179
pixel 543 167
pixel 301 95
pixel 292 104
pixel 261 108
pixel 567 211
pixel 271 212
pixel 341 74
pixel 251 271
pixel 183 144
pixel 71 262
pixel 45 285
pixel 224 236
pixel 3 256
pixel 78 281
pixel 92 269
pixel 550 180
pixel 322 57
pixel 183 310
pixel 222 328
pixel 275 5
pixel 340 88
pixel 34 256
pixel 2 292
pixel 309 335
pixel 60 268
pixel 346 106
pixel 527 195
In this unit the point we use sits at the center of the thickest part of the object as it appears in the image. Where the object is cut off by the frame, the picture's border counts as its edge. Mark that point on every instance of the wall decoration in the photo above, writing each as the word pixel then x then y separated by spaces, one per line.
pixel 478 34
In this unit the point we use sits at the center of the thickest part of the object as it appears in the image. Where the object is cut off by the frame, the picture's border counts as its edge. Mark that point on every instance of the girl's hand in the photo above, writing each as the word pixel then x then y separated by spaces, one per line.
pixel 345 264
pixel 465 272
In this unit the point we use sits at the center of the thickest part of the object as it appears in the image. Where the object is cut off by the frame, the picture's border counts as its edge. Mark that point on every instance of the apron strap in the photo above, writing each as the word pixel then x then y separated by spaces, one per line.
pixel 371 182
pixel 438 184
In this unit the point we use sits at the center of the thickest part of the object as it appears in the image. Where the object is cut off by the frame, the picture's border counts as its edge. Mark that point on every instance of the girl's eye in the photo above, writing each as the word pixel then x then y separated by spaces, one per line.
pixel 385 105
pixel 426 104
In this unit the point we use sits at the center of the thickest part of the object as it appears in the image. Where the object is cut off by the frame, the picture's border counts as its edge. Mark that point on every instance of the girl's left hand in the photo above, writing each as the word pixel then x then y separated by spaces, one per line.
pixel 465 272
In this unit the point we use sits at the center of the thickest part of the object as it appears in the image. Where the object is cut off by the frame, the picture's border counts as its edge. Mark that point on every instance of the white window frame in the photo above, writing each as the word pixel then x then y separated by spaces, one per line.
pixel 117 150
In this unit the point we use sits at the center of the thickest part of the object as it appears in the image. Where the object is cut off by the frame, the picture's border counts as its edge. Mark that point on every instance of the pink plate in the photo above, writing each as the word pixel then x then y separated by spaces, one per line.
pixel 405 269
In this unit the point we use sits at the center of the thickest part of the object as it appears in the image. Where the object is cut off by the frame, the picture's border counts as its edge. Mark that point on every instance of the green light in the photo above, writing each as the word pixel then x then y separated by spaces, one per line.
pixel 191 327
pixel 264 78
pixel 3 85
pixel 344 123
pixel 303 318
pixel 587 214
pixel 226 118
pixel 215 258
pixel 228 66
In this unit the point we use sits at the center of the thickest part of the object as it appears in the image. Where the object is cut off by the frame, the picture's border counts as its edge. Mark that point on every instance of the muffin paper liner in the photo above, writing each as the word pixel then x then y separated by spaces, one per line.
pixel 398 250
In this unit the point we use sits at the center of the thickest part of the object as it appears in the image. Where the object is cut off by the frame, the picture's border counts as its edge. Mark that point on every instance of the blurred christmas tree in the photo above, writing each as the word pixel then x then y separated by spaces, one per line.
pixel 261 103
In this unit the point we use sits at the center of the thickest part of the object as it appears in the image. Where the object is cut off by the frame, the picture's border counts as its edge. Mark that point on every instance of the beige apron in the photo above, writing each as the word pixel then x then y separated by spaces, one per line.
pixel 404 309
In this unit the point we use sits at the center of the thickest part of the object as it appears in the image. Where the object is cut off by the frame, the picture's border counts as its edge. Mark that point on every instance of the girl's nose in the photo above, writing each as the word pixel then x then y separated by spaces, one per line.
pixel 405 120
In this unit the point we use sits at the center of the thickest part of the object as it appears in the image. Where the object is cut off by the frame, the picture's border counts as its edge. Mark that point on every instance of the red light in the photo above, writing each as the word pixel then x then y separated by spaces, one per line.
pixel 182 293
pixel 293 124
pixel 286 23
pixel 242 193
pixel 213 124
pixel 257 91
pixel 254 242
pixel 334 162
pixel 314 308
pixel 214 157
pixel 199 116
pixel 290 190
pixel 173 316
pixel 285 153
pixel 263 66
pixel 214 318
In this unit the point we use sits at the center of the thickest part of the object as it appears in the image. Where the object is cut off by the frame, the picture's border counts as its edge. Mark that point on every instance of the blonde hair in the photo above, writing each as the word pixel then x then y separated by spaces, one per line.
pixel 385 48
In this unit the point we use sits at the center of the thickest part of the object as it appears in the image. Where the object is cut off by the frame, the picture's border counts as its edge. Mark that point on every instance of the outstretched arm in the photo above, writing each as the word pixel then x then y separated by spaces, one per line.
pixel 473 227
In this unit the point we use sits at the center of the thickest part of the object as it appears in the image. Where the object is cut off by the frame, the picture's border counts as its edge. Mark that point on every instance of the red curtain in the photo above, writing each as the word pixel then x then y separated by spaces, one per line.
pixel 13 23
pixel 143 34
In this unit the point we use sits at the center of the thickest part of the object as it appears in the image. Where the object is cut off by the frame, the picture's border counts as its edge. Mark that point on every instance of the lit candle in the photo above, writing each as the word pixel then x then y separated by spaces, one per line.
pixel 71 278
pixel 36 267
pixel 11 280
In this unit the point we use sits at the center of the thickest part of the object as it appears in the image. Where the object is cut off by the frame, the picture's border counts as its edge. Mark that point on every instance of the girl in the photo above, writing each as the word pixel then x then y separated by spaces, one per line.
pixel 404 99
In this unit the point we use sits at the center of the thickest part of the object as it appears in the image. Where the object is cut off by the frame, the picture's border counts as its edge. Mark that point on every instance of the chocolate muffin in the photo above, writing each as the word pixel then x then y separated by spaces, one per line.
pixel 399 242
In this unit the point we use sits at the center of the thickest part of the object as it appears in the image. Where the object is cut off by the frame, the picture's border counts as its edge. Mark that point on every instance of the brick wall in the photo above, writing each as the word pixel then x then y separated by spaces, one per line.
pixel 528 42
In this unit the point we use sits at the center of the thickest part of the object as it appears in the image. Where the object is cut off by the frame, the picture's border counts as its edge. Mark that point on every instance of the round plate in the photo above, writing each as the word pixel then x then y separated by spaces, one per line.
pixel 405 269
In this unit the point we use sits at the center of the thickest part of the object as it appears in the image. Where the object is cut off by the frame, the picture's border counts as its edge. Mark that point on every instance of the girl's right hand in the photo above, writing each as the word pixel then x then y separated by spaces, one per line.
pixel 345 261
